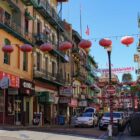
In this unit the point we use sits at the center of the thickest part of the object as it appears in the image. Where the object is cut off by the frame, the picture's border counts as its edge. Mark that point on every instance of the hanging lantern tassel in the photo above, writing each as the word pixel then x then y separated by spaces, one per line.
pixel 127 40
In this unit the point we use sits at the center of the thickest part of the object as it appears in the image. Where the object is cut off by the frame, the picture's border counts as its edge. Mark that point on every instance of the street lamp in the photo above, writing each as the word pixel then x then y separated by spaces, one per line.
pixel 109 49
pixel 107 44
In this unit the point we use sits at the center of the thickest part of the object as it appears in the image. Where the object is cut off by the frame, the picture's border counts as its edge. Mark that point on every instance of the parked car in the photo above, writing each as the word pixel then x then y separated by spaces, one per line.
pixel 86 119
pixel 90 109
pixel 118 120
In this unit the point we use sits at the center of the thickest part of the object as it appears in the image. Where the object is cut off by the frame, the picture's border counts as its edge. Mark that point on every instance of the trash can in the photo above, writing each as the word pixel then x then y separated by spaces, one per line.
pixel 61 120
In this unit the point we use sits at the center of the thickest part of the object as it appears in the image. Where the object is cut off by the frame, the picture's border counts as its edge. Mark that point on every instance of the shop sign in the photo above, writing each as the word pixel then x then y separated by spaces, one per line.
pixel 82 103
pixel 4 82
pixel 66 91
pixel 12 91
pixel 13 80
pixel 73 103
pixel 64 100
pixel 27 87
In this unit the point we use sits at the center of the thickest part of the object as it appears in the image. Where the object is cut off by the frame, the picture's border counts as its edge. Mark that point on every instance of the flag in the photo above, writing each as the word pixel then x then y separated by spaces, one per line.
pixel 87 31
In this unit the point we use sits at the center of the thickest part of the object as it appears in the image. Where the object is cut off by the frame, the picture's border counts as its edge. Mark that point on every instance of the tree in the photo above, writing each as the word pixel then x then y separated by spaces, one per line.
pixel 127 77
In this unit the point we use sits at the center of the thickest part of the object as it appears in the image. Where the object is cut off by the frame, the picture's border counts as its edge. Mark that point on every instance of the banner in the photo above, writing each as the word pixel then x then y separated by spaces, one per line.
pixel 117 70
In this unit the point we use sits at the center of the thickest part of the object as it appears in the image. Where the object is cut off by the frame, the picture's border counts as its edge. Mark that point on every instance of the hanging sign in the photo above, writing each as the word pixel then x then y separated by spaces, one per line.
pixel 117 70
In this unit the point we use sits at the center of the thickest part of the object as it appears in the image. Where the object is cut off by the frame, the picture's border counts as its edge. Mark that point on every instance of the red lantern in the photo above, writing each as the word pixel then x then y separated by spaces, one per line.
pixel 105 42
pixel 46 47
pixel 83 86
pixel 85 44
pixel 64 46
pixel 26 48
pixel 7 48
pixel 127 40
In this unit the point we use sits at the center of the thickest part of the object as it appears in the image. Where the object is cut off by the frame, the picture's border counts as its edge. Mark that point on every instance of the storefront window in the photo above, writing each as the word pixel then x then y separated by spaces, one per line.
pixel 10 108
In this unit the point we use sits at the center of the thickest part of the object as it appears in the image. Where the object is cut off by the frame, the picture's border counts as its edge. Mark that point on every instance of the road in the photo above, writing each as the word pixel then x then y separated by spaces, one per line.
pixel 33 135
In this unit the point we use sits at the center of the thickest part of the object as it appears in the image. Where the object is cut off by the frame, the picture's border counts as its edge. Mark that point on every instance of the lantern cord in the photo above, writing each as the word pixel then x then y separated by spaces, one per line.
pixel 116 37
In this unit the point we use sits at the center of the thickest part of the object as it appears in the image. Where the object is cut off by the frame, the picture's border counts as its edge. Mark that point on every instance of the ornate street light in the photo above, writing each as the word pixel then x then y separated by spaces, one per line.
pixel 107 44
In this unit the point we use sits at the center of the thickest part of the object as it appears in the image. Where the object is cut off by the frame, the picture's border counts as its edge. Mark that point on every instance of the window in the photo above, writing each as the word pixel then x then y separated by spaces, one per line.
pixel 46 64
pixel 39 27
pixel 53 38
pixel 68 77
pixel 7 18
pixel 6 55
pixel 25 61
pixel 38 61
pixel 53 68
pixel 26 25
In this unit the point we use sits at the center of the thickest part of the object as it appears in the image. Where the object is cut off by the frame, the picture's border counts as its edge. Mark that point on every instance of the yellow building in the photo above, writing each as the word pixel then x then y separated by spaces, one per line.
pixel 16 66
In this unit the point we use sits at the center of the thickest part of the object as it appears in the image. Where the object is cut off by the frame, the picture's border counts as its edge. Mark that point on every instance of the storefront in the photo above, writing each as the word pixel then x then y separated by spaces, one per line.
pixel 24 102
pixel 8 96
pixel 47 103
pixel 73 106
pixel 64 101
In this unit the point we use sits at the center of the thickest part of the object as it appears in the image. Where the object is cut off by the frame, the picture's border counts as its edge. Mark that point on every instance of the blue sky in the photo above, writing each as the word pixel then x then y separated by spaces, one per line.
pixel 106 18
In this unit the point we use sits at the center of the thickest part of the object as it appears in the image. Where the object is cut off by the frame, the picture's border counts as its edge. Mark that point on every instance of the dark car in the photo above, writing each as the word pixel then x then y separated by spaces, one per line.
pixel 134 124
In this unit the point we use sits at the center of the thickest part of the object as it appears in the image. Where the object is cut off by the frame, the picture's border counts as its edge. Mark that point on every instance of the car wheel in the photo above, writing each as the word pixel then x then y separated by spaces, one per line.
pixel 101 128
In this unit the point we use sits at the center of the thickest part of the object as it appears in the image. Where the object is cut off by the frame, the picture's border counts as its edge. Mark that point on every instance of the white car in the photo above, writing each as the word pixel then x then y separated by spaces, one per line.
pixel 86 119
pixel 118 118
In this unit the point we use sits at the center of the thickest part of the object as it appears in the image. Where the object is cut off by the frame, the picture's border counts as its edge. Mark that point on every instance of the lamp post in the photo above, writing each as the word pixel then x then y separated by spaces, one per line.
pixel 109 49
pixel 107 44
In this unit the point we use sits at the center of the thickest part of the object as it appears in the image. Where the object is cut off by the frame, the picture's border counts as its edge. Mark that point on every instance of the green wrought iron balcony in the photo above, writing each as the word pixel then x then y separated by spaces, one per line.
pixel 44 75
pixel 79 75
pixel 88 67
pixel 93 73
pixel 47 11
pixel 88 82
pixel 11 26
pixel 31 3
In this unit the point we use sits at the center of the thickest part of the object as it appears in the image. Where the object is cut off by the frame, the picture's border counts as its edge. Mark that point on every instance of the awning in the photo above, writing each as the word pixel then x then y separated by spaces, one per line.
pixel 45 97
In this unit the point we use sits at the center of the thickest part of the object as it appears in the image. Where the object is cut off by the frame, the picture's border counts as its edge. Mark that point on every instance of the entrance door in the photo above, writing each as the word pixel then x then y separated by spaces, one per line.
pixel 27 112
pixel 17 112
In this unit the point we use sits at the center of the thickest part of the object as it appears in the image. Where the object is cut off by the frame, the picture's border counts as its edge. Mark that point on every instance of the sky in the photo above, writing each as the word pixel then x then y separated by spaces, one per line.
pixel 106 18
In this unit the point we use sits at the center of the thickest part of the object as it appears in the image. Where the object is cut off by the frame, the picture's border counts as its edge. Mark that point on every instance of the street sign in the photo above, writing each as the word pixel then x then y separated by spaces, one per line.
pixel 111 89
pixel 4 83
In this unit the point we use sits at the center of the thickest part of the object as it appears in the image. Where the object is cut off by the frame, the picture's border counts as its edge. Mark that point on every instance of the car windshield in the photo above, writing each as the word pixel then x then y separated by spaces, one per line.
pixel 86 115
pixel 116 115
pixel 89 110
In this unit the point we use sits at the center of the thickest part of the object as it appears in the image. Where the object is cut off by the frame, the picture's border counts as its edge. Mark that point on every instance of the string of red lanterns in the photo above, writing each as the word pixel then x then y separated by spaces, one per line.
pixel 126 40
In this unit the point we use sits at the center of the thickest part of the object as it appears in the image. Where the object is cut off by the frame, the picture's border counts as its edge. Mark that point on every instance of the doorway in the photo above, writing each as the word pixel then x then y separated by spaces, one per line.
pixel 27 112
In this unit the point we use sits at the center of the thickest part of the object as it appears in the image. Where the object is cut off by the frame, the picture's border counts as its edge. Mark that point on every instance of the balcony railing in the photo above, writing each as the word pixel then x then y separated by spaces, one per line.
pixel 54 78
pixel 31 2
pixel 88 67
pixel 79 75
pixel 93 73
pixel 11 26
pixel 88 82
